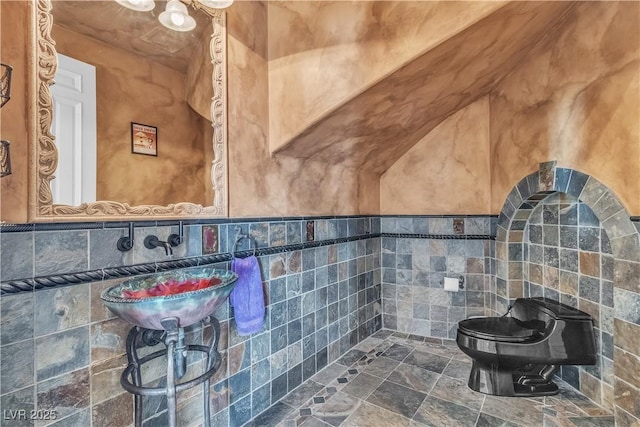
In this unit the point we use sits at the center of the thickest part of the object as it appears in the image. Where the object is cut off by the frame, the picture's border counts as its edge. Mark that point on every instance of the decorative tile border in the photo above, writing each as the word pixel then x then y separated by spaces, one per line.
pixel 46 282
pixel 440 236
pixel 57 226
pixel 17 228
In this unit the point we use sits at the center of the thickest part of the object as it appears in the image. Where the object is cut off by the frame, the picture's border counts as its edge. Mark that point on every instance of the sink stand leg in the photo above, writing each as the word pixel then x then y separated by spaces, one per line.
pixel 133 360
pixel 213 359
pixel 171 326
pixel 175 354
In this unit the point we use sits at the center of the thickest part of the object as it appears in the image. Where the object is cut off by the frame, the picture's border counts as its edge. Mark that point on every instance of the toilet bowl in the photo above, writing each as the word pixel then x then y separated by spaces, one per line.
pixel 518 353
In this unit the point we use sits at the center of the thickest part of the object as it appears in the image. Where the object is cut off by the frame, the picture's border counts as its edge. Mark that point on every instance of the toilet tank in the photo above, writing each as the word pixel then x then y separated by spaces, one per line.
pixel 569 331
pixel 546 309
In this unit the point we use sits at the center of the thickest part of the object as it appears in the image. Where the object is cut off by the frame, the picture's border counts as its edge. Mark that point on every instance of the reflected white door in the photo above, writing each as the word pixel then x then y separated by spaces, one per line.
pixel 74 126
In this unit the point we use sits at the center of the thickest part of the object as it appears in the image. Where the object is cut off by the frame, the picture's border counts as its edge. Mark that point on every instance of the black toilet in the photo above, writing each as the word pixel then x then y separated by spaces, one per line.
pixel 518 353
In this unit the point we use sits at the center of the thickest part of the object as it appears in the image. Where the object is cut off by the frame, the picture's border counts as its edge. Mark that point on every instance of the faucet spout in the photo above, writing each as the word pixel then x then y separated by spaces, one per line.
pixel 152 242
pixel 167 248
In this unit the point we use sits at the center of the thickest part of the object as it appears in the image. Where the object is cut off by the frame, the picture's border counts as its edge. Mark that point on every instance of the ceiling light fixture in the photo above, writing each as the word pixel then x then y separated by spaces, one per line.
pixel 217 4
pixel 139 5
pixel 176 17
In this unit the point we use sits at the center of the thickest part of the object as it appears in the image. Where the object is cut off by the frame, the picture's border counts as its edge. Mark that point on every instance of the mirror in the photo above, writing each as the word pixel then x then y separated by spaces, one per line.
pixel 152 79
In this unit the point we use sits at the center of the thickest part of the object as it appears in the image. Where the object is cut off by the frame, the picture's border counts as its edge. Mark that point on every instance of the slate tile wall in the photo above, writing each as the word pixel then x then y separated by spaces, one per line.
pixel 62 350
pixel 567 257
pixel 417 254
pixel 623 242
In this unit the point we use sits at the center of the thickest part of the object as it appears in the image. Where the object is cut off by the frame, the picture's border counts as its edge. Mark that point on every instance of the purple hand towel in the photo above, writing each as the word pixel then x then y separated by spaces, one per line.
pixel 247 298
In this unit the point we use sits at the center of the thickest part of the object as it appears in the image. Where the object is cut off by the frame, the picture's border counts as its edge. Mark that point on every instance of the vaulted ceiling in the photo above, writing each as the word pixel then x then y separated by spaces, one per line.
pixel 362 82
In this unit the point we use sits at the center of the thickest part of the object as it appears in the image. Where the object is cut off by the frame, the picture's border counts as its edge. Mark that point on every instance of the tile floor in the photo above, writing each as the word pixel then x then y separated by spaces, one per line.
pixel 391 379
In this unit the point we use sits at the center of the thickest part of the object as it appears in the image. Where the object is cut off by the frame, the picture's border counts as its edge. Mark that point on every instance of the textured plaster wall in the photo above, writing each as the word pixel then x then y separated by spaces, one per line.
pixel 262 185
pixel 132 89
pixel 447 172
pixel 14 191
pixel 377 126
pixel 322 53
pixel 574 99
pixel 199 77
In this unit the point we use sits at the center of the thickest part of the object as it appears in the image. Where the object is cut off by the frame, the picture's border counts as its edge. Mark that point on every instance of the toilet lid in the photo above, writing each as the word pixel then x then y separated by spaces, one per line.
pixel 501 328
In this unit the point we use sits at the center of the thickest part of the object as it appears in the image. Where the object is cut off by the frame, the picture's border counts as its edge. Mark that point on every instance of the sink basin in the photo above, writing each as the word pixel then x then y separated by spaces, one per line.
pixel 132 300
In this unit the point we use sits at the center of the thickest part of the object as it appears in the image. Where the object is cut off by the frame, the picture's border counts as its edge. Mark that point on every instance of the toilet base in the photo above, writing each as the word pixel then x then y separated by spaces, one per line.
pixel 496 381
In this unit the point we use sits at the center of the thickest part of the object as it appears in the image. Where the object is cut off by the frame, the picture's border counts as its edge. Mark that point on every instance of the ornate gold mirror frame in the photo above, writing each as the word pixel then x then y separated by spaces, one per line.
pixel 44 154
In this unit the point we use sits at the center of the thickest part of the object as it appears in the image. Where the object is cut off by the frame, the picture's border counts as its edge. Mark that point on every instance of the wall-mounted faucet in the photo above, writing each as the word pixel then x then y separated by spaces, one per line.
pixel 176 239
pixel 152 242
pixel 125 243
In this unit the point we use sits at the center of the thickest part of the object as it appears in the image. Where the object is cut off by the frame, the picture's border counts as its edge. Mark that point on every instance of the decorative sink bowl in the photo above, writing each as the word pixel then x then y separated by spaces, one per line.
pixel 195 293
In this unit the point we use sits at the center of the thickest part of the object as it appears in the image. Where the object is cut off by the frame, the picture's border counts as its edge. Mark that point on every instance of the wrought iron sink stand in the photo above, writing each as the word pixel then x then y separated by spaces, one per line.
pixel 176 352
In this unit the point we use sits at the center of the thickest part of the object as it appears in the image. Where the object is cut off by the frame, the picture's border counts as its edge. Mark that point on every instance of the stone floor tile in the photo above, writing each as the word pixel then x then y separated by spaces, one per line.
pixel 458 369
pixel 302 394
pixel 381 367
pixel 314 422
pixel 397 398
pixel 351 357
pixel 329 374
pixel 397 352
pixel 337 409
pixel 458 392
pixel 521 411
pixel 372 415
pixel 272 416
pixel 362 385
pixel 368 344
pixel 606 421
pixel 428 361
pixel 376 390
pixel 486 420
pixel 438 412
pixel 414 377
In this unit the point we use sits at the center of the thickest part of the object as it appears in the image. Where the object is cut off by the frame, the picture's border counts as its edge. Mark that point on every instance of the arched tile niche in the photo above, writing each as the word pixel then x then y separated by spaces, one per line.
pixel 563 234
